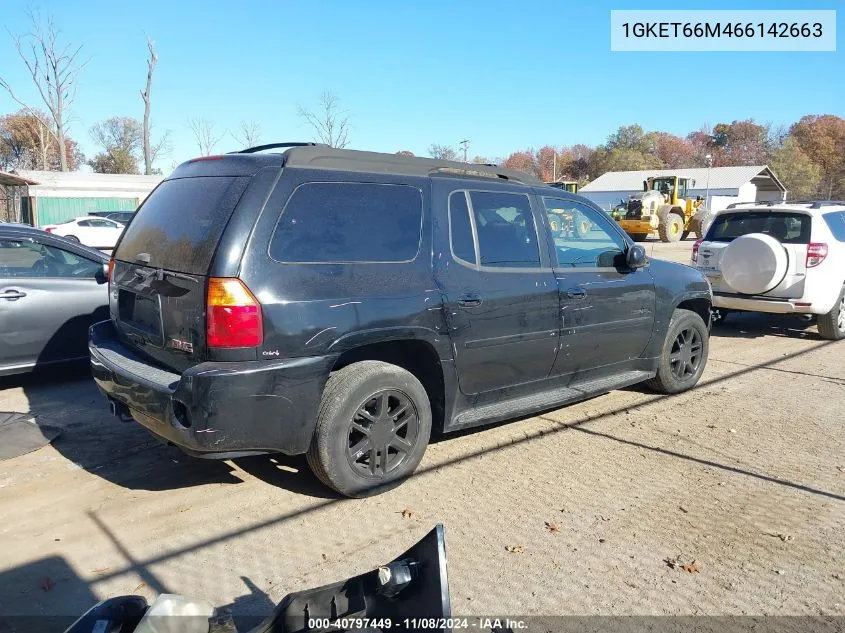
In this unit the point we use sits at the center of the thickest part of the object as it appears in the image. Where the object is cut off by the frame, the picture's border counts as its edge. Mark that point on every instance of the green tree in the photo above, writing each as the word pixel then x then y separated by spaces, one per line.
pixel 799 174
pixel 121 139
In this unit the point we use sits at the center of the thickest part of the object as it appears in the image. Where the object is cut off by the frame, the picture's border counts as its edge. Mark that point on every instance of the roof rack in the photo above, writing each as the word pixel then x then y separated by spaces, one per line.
pixel 818 204
pixel 261 148
pixel 474 173
pixel 761 203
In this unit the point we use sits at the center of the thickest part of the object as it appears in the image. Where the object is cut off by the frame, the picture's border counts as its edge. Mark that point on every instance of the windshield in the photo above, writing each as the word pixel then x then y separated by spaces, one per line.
pixel 787 228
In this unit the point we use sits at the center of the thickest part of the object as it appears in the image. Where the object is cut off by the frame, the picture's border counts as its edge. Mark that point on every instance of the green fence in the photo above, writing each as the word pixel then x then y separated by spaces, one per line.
pixel 56 210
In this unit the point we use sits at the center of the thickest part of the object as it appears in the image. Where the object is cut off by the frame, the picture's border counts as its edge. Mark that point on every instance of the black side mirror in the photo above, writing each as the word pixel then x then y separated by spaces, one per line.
pixel 636 257
pixel 102 275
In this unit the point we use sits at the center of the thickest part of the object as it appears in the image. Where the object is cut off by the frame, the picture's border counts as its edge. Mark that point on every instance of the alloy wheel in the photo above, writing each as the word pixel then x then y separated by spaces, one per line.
pixel 685 355
pixel 840 322
pixel 382 433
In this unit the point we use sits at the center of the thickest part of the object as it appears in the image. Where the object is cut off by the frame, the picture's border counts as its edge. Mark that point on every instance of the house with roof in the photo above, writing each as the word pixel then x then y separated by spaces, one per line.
pixel 718 186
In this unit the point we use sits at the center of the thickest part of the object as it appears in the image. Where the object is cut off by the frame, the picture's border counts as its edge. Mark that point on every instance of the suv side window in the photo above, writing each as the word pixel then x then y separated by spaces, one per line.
pixel 836 223
pixel 340 222
pixel 22 259
pixel 582 238
pixel 505 229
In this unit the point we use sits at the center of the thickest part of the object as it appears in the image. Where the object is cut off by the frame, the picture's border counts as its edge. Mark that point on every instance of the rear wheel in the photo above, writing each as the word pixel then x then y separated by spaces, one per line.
pixel 671 227
pixel 72 238
pixel 832 325
pixel 373 427
pixel 684 354
pixel 582 227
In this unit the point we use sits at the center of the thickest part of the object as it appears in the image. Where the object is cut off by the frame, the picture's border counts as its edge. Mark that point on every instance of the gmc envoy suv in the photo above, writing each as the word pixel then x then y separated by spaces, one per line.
pixel 345 304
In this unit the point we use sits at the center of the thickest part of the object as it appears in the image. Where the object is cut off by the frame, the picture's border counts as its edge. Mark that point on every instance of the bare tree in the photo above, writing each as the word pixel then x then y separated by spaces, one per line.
pixel 248 134
pixel 145 95
pixel 205 135
pixel 330 123
pixel 54 70
pixel 442 152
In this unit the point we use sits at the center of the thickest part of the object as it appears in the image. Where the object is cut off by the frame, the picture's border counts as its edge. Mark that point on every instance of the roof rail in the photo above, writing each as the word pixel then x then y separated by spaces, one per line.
pixel 818 204
pixel 475 173
pixel 261 148
pixel 762 203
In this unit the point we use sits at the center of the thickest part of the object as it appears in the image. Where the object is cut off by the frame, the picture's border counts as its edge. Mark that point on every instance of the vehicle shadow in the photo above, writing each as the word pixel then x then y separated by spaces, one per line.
pixel 756 324
pixel 122 453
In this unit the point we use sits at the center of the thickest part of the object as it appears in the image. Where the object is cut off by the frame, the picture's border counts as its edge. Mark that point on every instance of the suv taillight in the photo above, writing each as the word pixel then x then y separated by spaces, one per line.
pixel 49 229
pixel 233 315
pixel 695 248
pixel 816 252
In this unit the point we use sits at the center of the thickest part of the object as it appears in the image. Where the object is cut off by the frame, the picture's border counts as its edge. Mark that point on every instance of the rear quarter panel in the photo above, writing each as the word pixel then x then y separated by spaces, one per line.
pixel 320 309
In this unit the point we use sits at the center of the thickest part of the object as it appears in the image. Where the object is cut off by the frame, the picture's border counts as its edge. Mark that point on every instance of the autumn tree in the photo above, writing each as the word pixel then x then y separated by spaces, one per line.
pixel 799 174
pixel 121 141
pixel 442 152
pixel 54 69
pixel 28 141
pixel 329 123
pixel 822 138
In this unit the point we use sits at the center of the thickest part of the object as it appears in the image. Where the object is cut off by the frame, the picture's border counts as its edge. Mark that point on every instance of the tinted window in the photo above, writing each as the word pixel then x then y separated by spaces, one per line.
pixel 507 236
pixel 181 222
pixel 582 237
pixel 325 222
pixel 86 223
pixel 836 222
pixel 30 259
pixel 460 228
pixel 787 228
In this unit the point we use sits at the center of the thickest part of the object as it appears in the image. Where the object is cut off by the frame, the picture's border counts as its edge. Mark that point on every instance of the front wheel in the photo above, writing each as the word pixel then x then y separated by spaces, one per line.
pixel 373 426
pixel 72 238
pixel 832 325
pixel 671 227
pixel 684 354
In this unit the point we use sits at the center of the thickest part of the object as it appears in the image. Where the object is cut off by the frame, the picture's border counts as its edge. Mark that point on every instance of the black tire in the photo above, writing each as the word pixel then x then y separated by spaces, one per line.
pixel 72 238
pixel 669 379
pixel 685 235
pixel 639 237
pixel 671 227
pixel 349 394
pixel 582 227
pixel 832 325
pixel 700 222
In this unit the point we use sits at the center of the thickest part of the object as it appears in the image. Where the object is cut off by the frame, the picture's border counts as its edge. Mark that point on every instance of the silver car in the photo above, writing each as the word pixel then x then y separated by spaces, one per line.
pixel 51 291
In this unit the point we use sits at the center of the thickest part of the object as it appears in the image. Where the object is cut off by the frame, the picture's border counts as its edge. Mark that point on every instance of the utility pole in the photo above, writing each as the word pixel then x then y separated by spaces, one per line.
pixel 709 160
pixel 465 144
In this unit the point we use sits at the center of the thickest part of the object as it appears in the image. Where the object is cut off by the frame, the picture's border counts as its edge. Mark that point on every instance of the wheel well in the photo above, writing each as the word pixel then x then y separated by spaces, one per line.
pixel 678 211
pixel 700 306
pixel 417 357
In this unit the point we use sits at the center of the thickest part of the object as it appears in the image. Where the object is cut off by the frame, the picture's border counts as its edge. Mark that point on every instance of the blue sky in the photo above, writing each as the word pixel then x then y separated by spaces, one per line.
pixel 505 75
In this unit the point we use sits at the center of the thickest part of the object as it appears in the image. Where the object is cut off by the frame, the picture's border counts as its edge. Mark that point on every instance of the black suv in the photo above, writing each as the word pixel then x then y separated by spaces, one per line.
pixel 343 304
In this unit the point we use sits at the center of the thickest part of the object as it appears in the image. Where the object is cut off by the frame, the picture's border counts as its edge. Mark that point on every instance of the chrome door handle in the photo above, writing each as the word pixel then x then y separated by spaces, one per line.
pixel 12 295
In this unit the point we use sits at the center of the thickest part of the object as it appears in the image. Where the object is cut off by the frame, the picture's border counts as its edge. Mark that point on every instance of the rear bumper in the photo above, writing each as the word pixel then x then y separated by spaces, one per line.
pixel 750 304
pixel 214 409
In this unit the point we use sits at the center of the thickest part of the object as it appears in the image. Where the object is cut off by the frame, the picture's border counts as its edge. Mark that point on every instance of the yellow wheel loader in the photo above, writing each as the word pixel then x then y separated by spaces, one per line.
pixel 665 206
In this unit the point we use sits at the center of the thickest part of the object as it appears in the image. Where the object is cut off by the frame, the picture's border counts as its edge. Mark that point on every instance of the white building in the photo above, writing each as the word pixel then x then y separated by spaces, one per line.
pixel 50 197
pixel 727 185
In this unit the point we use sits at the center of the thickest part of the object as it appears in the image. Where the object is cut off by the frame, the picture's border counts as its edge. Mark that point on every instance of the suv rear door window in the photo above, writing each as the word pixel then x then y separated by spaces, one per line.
pixel 836 222
pixel 338 222
pixel 787 228
pixel 507 235
pixel 460 227
pixel 181 222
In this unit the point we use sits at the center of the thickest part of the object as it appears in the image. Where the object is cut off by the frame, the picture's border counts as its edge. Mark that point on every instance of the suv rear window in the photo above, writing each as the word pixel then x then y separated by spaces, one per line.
pixel 836 222
pixel 787 228
pixel 337 222
pixel 181 222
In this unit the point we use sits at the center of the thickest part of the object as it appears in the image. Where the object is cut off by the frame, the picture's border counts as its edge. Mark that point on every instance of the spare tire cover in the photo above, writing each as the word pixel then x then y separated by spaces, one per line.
pixel 754 263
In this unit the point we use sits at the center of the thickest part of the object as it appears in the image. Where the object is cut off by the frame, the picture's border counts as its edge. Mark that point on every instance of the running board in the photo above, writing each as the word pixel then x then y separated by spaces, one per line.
pixel 526 405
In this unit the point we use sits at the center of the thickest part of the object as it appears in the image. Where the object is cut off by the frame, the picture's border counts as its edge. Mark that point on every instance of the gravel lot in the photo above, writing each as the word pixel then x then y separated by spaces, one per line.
pixel 726 500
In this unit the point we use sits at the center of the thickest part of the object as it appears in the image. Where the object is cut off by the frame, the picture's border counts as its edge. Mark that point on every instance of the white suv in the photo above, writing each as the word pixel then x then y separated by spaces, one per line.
pixel 786 258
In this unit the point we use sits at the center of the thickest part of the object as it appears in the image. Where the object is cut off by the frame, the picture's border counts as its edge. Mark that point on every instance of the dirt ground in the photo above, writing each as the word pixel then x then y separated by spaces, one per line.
pixel 726 500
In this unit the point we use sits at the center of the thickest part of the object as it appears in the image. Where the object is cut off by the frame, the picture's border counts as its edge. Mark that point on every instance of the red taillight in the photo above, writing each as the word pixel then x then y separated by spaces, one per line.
pixel 695 248
pixel 49 229
pixel 816 252
pixel 233 315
